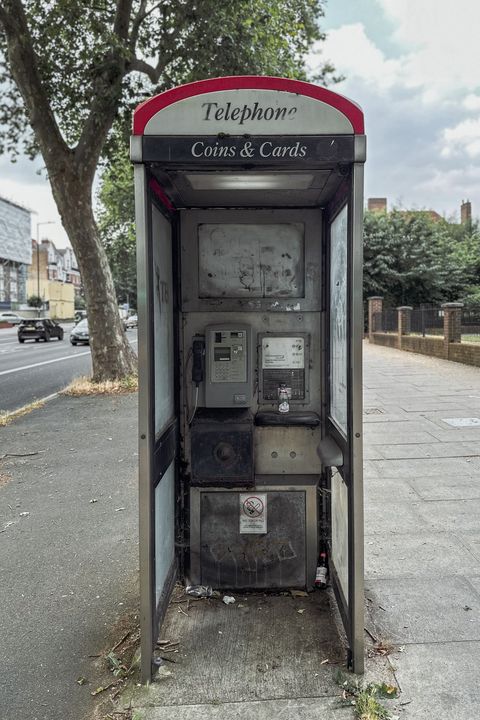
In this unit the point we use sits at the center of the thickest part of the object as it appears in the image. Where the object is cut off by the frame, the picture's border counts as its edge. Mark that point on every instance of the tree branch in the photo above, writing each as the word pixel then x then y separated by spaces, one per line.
pixel 139 65
pixel 24 68
pixel 107 92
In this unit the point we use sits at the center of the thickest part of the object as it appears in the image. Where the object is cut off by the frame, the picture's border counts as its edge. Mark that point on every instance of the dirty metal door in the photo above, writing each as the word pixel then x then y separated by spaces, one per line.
pixel 158 424
pixel 344 416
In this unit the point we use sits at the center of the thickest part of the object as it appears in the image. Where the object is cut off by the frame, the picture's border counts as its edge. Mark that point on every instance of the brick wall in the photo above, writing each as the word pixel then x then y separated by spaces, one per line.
pixel 466 353
pixel 424 345
pixel 387 339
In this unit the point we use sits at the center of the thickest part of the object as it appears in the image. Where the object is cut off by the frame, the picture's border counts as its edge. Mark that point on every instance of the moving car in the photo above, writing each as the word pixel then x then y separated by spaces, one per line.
pixel 80 333
pixel 10 317
pixel 39 329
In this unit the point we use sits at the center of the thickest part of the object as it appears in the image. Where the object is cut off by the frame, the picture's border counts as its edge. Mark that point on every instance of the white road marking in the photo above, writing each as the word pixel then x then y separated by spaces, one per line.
pixel 44 362
pixel 48 362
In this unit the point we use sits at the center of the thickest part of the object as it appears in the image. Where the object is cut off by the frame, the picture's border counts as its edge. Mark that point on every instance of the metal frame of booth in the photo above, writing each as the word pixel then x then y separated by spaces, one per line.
pixel 164 149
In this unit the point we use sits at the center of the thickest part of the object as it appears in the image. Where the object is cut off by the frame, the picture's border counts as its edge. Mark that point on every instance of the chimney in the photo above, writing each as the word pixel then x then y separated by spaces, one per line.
pixel 377 205
pixel 466 212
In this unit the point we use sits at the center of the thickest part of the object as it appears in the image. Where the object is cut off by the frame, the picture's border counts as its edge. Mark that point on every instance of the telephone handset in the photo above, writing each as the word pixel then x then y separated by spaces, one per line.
pixel 198 349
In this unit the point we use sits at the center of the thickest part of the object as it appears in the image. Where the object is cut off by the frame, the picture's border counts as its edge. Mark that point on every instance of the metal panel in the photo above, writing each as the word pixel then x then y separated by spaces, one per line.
pixel 249 111
pixel 156 504
pixel 191 296
pixel 298 151
pixel 284 557
pixel 297 378
pixel 287 450
pixel 145 418
pixel 356 431
pixel 346 510
pixel 246 260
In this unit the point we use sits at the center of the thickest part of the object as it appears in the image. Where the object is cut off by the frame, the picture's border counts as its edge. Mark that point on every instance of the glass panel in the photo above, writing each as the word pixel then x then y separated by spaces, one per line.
pixel 163 320
pixel 246 260
pixel 340 530
pixel 164 532
pixel 338 319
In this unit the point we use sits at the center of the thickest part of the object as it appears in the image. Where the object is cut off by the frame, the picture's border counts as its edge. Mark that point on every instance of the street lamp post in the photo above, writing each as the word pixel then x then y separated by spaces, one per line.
pixel 45 222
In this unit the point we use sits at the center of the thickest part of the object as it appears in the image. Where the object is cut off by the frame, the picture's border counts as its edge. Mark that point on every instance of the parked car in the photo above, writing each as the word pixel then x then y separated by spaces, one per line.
pixel 10 317
pixel 80 333
pixel 39 329
pixel 131 322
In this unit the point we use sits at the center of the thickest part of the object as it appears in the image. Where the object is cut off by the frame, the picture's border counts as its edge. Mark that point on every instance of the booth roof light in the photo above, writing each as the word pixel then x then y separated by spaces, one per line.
pixel 249 181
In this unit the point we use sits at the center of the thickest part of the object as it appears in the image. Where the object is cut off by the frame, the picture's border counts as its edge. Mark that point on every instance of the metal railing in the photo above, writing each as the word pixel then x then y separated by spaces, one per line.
pixel 385 321
pixel 470 324
pixel 427 321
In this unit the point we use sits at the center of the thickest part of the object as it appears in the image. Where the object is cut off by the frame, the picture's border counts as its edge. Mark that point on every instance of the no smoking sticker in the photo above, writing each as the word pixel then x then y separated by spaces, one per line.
pixel 253 513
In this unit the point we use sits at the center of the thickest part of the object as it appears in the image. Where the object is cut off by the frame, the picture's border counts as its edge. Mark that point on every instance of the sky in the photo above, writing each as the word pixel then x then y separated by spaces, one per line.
pixel 413 67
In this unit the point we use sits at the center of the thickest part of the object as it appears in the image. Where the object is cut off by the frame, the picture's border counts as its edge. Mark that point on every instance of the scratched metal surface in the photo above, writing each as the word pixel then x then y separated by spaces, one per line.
pixel 262 647
pixel 230 559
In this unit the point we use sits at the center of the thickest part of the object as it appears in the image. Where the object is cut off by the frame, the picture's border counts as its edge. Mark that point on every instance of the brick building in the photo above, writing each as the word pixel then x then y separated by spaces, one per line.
pixel 54 276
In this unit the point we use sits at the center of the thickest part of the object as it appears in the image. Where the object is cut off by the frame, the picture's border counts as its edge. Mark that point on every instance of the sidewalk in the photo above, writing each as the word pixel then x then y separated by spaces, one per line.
pixel 69 563
pixel 422 503
pixel 68 551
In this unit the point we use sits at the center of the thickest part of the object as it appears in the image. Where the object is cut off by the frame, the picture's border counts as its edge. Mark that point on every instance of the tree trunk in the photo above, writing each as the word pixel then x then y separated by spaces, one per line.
pixel 112 355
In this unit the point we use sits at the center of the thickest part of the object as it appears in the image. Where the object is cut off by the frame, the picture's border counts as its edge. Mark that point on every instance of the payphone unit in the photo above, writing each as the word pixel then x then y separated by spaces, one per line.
pixel 229 376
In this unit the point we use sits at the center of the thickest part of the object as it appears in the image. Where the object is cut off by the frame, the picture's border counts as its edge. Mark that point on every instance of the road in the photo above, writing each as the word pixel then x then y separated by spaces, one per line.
pixel 35 370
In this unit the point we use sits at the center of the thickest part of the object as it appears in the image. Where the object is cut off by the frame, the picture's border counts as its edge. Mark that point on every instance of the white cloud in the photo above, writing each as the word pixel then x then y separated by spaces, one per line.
pixel 472 102
pixel 441 40
pixel 465 136
pixel 356 56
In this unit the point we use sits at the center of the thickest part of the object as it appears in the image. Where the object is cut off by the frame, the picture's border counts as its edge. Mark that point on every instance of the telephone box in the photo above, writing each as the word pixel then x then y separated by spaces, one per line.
pixel 249 201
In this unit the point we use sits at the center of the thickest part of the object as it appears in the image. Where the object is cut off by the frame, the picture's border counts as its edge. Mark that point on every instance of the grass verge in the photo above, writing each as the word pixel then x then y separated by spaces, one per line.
pixel 86 386
pixel 7 417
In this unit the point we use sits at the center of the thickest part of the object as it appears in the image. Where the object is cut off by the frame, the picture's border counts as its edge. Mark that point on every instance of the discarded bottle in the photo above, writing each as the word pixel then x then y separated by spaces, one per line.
pixel 283 399
pixel 321 574
pixel 199 591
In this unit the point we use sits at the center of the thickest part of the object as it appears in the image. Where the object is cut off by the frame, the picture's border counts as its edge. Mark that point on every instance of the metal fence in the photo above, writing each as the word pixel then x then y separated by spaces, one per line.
pixel 426 321
pixel 470 324
pixel 385 321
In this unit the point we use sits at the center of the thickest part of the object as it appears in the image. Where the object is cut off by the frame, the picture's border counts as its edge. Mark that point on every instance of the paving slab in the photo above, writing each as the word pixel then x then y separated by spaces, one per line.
pixel 427 467
pixel 439 681
pixel 422 555
pixel 396 516
pixel 454 515
pixel 430 610
pixel 444 487
pixel 398 432
pixel 382 490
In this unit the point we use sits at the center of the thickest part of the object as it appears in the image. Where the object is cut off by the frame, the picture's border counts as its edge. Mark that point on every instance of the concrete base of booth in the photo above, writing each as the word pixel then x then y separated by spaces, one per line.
pixel 250 659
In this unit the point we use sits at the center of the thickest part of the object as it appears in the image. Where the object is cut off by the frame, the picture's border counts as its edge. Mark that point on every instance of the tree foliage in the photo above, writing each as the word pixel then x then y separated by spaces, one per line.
pixel 81 51
pixel 116 222
pixel 71 72
pixel 409 259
